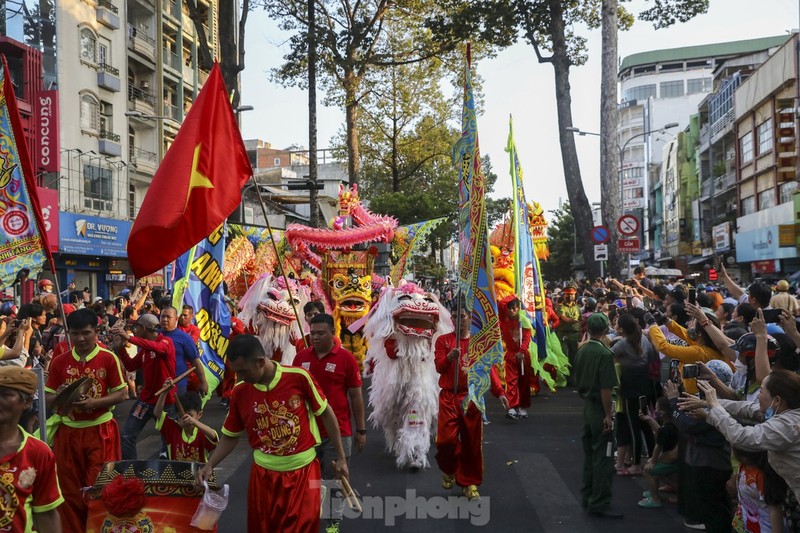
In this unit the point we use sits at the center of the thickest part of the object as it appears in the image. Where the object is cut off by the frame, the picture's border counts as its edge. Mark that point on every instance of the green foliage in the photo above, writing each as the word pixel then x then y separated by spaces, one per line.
pixel 561 235
pixel 665 13
pixel 426 265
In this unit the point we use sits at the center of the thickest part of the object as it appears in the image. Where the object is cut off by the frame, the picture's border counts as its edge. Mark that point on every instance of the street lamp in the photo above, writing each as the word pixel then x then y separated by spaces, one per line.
pixel 143 116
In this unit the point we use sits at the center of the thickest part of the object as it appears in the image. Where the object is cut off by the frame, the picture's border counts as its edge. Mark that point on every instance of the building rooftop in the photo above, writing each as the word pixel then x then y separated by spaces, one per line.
pixel 684 53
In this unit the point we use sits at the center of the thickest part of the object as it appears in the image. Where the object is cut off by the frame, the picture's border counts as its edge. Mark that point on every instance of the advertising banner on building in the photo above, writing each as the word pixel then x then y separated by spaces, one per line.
pixel 722 237
pixel 86 235
pixel 48 203
pixel 761 244
pixel 46 156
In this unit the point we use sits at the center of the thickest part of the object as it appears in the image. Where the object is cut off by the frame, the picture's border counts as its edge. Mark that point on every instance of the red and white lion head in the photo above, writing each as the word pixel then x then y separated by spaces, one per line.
pixel 408 311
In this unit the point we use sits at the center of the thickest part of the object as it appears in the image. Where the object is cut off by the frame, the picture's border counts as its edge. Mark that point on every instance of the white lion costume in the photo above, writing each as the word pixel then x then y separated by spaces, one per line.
pixel 267 313
pixel 404 393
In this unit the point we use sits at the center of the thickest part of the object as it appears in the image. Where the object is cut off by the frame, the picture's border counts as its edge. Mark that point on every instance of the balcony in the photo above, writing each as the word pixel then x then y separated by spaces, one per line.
pixel 172 8
pixel 107 14
pixel 108 78
pixel 141 43
pixel 173 112
pixel 171 60
pixel 109 143
pixel 140 99
pixel 143 161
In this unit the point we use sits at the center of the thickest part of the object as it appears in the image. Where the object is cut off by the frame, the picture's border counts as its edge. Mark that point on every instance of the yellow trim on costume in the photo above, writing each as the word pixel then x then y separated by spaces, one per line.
pixel 160 421
pixel 284 463
pixel 115 389
pixel 89 357
pixel 231 433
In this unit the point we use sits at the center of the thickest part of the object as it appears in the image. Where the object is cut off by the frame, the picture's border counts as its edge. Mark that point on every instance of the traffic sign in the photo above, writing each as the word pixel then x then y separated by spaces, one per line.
pixel 629 246
pixel 600 235
pixel 601 252
pixel 628 225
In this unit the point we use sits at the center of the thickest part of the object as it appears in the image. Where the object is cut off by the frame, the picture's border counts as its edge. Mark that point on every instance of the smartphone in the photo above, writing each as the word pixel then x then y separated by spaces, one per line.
pixel 717 262
pixel 771 316
pixel 643 404
pixel 674 373
pixel 690 371
pixel 693 296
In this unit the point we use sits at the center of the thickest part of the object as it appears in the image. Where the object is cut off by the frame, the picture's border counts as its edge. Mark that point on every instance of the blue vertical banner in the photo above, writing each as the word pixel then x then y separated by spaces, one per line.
pixel 199 283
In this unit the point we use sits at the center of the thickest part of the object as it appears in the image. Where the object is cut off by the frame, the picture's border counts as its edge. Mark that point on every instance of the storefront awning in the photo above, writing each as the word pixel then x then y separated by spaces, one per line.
pixel 701 260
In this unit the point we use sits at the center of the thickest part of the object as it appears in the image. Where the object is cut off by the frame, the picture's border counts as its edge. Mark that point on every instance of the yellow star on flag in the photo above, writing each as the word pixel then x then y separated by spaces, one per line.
pixel 197 178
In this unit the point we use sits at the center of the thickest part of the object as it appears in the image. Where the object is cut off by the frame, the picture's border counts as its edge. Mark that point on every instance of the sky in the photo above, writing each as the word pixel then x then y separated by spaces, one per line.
pixel 514 83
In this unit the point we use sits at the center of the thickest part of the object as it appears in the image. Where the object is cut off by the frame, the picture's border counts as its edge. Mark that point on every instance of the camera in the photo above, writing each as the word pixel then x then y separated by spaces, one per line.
pixel 772 316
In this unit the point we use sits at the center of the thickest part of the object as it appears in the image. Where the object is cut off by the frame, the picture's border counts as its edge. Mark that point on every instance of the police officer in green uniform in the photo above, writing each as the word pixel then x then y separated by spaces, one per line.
pixel 595 377
pixel 569 327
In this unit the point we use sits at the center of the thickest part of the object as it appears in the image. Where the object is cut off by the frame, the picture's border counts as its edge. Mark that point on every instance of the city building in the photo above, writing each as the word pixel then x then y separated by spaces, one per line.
pixel 660 88
pixel 127 73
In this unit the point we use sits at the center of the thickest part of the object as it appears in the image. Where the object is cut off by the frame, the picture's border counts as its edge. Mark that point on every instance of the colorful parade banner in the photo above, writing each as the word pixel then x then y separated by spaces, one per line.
pixel 199 274
pixel 476 279
pixel 527 282
pixel 407 240
pixel 23 245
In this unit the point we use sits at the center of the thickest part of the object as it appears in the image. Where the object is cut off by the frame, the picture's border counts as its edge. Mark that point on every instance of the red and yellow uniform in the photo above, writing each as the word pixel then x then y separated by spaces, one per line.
pixel 28 484
pixel 280 421
pixel 459 436
pixel 196 447
pixel 86 439
pixel 229 377
pixel 516 339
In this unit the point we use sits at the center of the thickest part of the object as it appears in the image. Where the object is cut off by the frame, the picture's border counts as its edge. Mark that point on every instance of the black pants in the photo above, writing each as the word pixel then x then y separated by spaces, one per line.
pixel 707 500
pixel 638 431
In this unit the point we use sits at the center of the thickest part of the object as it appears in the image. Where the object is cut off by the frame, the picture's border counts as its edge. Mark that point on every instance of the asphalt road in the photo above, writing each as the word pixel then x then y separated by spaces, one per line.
pixel 532 472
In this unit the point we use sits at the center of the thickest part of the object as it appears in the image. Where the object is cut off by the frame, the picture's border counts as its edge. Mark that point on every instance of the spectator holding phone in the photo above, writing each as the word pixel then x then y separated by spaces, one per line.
pixel 663 464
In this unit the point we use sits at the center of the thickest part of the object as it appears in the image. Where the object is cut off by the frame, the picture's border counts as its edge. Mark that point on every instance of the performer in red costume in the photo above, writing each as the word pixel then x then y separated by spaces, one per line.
pixel 516 340
pixel 459 439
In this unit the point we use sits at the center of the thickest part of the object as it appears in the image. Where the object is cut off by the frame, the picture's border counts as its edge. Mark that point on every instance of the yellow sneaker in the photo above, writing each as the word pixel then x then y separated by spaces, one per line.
pixel 448 481
pixel 471 492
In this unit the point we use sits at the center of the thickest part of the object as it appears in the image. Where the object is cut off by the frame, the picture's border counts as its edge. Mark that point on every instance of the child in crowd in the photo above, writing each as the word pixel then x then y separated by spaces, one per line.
pixel 761 492
pixel 188 439
pixel 663 465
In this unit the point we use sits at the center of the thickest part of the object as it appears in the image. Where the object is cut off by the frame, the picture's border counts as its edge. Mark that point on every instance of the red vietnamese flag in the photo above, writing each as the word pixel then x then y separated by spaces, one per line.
pixel 196 187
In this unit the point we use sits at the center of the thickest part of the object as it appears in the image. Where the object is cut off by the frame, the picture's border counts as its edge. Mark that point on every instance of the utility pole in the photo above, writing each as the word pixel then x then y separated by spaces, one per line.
pixel 610 175
pixel 312 114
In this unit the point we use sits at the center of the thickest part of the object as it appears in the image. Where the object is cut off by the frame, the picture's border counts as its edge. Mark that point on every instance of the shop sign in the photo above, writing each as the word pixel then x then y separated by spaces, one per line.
pixel 766 267
pixel 87 235
pixel 722 237
pixel 48 203
pixel 154 280
pixel 761 244
pixel 46 157
pixel 116 277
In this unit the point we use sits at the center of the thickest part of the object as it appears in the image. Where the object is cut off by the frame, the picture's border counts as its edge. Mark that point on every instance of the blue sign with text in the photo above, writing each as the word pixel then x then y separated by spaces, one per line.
pixel 87 235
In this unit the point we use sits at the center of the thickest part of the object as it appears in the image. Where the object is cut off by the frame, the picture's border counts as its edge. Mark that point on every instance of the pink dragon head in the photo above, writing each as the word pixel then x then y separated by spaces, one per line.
pixel 276 301
pixel 414 311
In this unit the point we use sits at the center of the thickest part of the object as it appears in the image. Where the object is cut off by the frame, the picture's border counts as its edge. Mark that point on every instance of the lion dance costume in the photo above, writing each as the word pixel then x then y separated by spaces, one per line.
pixel 404 394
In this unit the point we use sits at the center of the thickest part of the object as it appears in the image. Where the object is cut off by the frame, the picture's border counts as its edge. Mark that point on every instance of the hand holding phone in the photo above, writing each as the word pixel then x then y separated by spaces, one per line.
pixel 693 296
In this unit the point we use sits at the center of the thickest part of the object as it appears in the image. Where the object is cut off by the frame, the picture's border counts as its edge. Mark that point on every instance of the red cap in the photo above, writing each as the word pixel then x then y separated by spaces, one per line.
pixel 44 283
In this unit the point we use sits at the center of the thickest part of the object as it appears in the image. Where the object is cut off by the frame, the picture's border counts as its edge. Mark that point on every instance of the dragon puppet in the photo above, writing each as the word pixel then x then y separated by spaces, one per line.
pixel 346 267
pixel 267 312
pixel 404 391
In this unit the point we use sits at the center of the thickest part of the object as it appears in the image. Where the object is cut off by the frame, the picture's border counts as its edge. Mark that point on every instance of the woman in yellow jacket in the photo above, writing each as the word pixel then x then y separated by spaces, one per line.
pixel 700 346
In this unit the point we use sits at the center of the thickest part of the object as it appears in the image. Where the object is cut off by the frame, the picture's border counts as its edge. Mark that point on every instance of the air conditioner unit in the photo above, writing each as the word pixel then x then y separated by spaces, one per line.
pixel 249 215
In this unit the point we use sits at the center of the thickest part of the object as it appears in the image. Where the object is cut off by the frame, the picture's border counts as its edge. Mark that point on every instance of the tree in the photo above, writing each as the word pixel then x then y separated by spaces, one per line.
pixel 231 30
pixel 561 241
pixel 352 39
pixel 549 27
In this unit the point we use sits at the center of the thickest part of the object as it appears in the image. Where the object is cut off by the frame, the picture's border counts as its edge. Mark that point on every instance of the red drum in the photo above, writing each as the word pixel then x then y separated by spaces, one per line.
pixel 170 498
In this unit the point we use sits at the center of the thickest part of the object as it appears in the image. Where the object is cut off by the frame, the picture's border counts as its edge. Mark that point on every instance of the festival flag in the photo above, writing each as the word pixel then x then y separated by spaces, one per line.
pixel 23 244
pixel 527 285
pixel 200 285
pixel 476 280
pixel 196 187
pixel 407 240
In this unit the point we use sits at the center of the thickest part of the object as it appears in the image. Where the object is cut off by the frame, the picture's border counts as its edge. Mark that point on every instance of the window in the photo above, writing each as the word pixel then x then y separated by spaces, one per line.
pixel 90 113
pixel 671 89
pixel 640 93
pixel 746 147
pixel 88 46
pixel 103 55
pixel 765 136
pixel 131 201
pixel 786 190
pixel 97 187
pixel 106 117
pixel 276 161
pixel 766 199
pixel 698 85
pixel 748 205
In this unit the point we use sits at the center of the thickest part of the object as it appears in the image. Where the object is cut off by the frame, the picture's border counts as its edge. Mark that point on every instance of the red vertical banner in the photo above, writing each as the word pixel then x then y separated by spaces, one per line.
pixel 48 203
pixel 46 158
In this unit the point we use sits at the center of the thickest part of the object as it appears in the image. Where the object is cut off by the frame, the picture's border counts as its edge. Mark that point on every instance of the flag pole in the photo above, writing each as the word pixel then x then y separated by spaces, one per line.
pixel 275 249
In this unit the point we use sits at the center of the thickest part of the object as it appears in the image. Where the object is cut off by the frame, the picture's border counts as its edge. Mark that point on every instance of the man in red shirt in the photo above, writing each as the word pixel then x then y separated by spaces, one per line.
pixel 517 340
pixel 28 480
pixel 459 437
pixel 336 371
pixel 156 358
pixel 185 323
pixel 278 407
pixel 88 435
